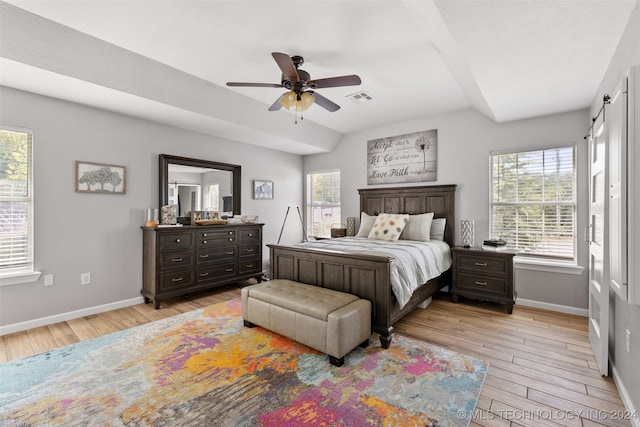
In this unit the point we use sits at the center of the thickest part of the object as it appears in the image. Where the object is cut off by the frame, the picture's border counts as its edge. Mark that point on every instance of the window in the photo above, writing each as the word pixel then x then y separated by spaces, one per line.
pixel 323 202
pixel 16 202
pixel 533 202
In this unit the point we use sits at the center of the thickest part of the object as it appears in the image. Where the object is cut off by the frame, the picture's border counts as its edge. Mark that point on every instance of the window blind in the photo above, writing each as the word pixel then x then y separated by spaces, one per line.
pixel 16 205
pixel 323 202
pixel 533 202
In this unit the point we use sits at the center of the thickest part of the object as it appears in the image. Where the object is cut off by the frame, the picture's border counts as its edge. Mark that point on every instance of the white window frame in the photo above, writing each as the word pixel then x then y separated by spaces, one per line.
pixel 309 202
pixel 25 272
pixel 535 261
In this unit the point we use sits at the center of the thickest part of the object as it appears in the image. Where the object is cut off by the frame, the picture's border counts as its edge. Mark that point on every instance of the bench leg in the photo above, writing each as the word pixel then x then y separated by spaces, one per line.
pixel 248 324
pixel 336 362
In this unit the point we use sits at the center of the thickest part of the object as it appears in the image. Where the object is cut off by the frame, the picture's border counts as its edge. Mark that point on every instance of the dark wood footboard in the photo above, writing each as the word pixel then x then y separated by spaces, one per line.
pixel 366 276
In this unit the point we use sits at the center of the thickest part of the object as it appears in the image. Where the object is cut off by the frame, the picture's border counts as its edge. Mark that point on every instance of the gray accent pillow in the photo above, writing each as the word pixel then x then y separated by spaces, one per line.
pixel 437 228
pixel 418 228
pixel 366 224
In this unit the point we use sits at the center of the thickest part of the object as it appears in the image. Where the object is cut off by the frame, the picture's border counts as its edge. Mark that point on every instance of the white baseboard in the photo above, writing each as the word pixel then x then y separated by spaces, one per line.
pixel 624 395
pixel 62 317
pixel 553 307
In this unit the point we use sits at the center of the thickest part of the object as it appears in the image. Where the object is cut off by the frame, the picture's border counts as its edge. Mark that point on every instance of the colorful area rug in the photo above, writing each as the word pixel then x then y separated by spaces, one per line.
pixel 205 368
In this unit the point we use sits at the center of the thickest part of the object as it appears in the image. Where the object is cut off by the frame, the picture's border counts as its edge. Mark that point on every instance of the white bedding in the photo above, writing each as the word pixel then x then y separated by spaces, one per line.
pixel 413 263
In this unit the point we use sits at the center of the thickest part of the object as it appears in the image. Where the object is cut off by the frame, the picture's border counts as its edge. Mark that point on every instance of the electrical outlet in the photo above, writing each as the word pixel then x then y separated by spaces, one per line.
pixel 48 279
pixel 85 278
pixel 628 340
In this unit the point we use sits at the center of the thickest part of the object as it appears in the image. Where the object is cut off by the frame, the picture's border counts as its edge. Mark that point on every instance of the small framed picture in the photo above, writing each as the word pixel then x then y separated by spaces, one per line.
pixel 262 189
pixel 100 178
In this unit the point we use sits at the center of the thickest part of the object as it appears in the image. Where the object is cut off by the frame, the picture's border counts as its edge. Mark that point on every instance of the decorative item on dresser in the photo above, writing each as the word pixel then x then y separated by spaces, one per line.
pixel 180 260
pixel 484 275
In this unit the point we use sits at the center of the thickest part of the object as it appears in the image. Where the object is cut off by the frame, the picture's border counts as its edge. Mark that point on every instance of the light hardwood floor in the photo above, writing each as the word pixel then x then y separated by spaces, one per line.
pixel 542 371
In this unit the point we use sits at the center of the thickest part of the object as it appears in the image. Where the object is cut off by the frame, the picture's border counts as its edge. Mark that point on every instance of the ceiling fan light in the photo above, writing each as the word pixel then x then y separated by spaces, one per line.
pixel 288 100
pixel 306 101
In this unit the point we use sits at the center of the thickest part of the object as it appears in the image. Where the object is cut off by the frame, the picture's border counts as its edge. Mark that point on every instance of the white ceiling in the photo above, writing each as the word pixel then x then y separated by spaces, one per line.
pixel 168 61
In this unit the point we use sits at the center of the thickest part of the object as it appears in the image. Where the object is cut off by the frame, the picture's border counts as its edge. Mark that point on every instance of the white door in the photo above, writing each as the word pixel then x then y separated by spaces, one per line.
pixel 617 130
pixel 597 236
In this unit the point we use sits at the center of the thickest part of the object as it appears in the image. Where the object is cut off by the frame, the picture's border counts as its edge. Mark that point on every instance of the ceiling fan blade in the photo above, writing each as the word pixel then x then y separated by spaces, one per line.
pixel 276 105
pixel 325 103
pixel 254 84
pixel 286 65
pixel 352 80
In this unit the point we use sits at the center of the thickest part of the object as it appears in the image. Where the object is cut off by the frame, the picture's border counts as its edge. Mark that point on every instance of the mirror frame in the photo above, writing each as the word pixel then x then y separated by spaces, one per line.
pixel 165 160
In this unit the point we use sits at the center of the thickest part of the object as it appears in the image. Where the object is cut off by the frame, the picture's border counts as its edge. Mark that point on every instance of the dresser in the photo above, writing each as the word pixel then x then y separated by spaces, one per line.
pixel 483 274
pixel 181 260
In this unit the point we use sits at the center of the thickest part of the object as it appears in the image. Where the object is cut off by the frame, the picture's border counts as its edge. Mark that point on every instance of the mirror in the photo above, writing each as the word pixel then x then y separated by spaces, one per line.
pixel 198 185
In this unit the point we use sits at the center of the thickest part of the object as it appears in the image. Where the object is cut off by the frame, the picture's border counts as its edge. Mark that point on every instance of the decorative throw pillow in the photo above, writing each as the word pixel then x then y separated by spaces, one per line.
pixel 418 228
pixel 388 226
pixel 366 224
pixel 437 228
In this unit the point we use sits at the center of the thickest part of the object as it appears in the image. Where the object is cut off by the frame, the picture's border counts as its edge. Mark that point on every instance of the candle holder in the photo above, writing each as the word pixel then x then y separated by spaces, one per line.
pixel 466 231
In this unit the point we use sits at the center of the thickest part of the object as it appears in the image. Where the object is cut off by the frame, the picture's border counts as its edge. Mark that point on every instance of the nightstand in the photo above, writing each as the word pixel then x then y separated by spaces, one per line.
pixel 483 274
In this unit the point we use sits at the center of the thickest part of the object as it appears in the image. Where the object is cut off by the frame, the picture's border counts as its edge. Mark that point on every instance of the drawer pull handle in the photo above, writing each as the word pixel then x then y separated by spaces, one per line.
pixel 176 259
pixel 481 283
pixel 177 279
pixel 230 233
pixel 250 234
pixel 481 264
pixel 250 250
pixel 204 256
pixel 204 242
pixel 204 274
pixel 178 240
pixel 249 265
pixel 229 253
pixel 231 239
pixel 204 235
pixel 228 269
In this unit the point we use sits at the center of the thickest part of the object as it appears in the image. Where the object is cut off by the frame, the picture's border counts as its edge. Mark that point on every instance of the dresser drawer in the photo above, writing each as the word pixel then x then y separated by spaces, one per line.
pixel 249 235
pixel 174 260
pixel 481 264
pixel 177 280
pixel 215 240
pixel 248 266
pixel 249 251
pixel 215 234
pixel 214 272
pixel 176 241
pixel 478 283
pixel 216 254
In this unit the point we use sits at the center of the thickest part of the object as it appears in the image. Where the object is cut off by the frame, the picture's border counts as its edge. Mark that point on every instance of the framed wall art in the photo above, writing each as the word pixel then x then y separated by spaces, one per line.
pixel 404 158
pixel 100 178
pixel 262 190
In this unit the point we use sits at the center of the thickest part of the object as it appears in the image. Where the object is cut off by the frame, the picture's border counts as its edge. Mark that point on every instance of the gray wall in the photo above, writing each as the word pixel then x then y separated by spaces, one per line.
pixel 100 234
pixel 623 315
pixel 465 140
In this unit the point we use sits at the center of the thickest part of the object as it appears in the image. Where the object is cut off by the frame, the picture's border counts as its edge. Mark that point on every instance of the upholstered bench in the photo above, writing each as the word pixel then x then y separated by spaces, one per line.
pixel 329 321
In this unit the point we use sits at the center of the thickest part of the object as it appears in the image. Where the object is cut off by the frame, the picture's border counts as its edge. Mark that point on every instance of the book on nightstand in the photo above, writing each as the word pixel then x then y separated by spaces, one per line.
pixel 494 245
pixel 494 248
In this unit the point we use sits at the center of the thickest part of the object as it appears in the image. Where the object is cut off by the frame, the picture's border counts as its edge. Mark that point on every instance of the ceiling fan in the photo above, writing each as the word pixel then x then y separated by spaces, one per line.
pixel 301 88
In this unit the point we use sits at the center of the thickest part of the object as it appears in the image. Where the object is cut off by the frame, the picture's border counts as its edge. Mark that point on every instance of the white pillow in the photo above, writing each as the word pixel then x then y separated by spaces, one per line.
pixel 418 228
pixel 366 223
pixel 388 226
pixel 437 228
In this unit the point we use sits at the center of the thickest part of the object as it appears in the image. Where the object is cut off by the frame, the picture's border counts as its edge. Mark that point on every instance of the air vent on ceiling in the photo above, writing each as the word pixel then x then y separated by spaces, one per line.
pixel 360 97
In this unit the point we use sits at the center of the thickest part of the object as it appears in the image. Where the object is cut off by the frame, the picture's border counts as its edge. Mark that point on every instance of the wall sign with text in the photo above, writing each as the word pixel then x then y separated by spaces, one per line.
pixel 403 158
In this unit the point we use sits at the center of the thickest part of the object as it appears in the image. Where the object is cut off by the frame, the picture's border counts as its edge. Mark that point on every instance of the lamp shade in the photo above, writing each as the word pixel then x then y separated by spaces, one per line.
pixel 300 102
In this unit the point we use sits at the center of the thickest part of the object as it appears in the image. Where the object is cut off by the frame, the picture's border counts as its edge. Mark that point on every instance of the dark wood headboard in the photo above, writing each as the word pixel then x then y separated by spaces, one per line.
pixel 439 199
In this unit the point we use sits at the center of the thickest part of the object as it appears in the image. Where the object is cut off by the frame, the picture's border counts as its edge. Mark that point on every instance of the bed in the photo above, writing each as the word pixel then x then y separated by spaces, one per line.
pixel 365 275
